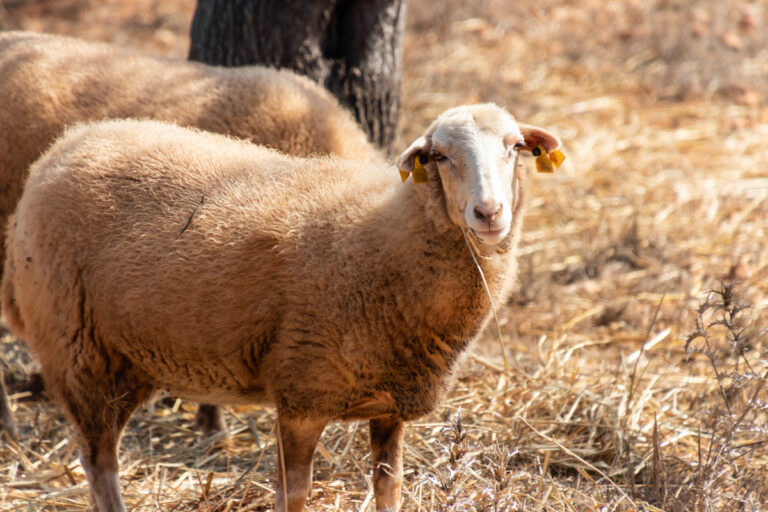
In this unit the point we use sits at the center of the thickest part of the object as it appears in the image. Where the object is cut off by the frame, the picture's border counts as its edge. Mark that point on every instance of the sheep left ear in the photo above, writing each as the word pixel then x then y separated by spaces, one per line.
pixel 535 137
pixel 407 163
pixel 544 145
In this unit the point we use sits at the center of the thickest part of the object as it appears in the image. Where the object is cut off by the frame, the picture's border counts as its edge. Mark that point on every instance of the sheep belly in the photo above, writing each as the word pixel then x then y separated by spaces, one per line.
pixel 203 378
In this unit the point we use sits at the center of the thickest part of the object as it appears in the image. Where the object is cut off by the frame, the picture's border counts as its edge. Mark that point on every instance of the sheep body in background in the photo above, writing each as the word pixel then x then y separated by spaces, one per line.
pixel 145 256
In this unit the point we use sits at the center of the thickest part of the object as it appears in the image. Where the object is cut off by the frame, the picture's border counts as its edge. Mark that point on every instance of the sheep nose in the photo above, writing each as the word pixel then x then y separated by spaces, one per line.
pixel 488 213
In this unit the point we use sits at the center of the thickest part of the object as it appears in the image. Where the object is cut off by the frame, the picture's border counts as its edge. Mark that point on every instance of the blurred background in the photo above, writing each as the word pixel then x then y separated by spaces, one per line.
pixel 636 378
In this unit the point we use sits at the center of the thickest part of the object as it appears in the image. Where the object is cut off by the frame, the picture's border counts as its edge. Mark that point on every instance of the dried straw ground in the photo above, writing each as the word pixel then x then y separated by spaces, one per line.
pixel 631 386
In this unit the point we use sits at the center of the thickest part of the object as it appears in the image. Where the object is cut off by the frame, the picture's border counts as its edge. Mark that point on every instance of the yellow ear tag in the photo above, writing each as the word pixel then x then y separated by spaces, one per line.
pixel 543 163
pixel 557 157
pixel 404 175
pixel 419 173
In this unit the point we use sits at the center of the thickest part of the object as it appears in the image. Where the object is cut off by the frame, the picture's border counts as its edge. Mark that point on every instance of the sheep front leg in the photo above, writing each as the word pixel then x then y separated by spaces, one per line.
pixel 387 457
pixel 101 468
pixel 296 441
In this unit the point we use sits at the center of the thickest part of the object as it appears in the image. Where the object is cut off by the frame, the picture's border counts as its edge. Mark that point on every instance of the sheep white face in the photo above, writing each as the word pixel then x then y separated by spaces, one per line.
pixel 475 149
pixel 478 172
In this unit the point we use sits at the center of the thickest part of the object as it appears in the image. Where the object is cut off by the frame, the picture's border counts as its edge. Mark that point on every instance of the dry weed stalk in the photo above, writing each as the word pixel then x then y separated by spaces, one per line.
pixel 721 318
pixel 454 469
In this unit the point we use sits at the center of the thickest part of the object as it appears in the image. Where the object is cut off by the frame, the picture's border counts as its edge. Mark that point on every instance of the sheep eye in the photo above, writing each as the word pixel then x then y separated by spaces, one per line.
pixel 519 145
pixel 439 157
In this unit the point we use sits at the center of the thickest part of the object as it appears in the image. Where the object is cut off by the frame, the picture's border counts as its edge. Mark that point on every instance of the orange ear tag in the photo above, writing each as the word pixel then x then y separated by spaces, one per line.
pixel 557 157
pixel 419 173
pixel 543 163
pixel 404 175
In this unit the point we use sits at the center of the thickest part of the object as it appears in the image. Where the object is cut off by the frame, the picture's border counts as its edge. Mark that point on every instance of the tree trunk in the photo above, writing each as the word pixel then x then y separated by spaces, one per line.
pixel 352 47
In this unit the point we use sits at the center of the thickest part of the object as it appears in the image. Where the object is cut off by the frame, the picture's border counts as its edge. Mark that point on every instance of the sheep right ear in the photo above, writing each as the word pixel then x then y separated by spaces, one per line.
pixel 407 162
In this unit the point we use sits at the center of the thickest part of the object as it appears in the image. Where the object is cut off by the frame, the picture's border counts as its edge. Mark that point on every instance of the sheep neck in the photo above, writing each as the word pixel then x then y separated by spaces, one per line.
pixel 439 294
pixel 437 247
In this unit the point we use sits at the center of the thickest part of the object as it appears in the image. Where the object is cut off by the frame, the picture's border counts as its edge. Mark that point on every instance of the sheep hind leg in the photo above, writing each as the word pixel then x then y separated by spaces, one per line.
pixel 99 409
pixel 387 458
pixel 7 424
pixel 210 419
pixel 296 442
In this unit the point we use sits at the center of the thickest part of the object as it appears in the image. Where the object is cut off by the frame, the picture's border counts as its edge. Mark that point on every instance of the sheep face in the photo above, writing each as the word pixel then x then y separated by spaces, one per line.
pixel 474 150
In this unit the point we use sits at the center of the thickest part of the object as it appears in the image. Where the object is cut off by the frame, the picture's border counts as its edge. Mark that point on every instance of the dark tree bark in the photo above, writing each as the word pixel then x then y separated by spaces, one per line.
pixel 352 47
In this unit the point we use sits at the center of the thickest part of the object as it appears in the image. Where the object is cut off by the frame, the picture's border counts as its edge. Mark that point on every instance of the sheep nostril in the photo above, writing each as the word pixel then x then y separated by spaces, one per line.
pixel 497 212
pixel 488 214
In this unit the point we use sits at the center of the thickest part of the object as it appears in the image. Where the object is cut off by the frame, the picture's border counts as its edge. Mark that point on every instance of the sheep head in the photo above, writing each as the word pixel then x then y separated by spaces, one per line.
pixel 474 149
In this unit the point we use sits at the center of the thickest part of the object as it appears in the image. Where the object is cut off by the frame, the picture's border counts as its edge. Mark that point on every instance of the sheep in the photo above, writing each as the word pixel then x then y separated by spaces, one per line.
pixel 48 82
pixel 146 256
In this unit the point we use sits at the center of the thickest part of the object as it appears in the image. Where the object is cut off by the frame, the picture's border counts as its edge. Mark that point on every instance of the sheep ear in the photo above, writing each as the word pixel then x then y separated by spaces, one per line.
pixel 406 162
pixel 544 146
pixel 534 137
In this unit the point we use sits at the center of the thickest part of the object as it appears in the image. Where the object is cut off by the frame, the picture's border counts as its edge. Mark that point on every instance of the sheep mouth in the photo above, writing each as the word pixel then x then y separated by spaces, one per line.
pixel 490 236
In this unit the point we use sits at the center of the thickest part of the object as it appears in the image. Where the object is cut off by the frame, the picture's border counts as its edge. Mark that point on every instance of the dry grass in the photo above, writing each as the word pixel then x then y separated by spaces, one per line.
pixel 633 387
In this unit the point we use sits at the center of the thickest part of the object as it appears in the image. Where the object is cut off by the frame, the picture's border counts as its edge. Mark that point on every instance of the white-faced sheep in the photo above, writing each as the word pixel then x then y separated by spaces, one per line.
pixel 49 82
pixel 146 256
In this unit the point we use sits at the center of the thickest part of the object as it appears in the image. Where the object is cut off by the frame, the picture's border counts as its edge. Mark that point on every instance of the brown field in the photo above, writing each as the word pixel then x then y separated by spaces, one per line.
pixel 631 385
